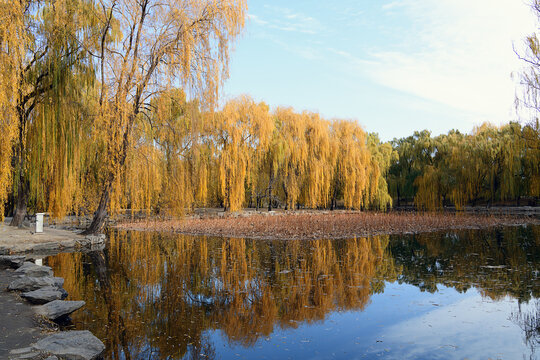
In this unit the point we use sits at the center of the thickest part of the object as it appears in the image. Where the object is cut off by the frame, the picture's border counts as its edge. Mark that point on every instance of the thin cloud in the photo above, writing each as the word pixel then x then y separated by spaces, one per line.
pixel 284 19
pixel 257 19
pixel 460 54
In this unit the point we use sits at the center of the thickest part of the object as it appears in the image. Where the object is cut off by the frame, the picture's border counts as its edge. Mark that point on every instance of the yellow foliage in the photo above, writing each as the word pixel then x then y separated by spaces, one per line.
pixel 243 131
pixel 12 44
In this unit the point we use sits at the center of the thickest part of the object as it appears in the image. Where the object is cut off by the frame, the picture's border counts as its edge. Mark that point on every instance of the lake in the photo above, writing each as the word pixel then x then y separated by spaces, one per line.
pixel 471 294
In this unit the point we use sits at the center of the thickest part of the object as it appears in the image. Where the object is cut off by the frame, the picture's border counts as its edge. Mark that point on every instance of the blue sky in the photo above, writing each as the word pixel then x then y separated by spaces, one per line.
pixel 394 66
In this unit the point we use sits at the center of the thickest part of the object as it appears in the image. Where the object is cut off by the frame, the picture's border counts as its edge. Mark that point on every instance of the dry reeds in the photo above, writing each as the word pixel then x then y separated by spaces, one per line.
pixel 324 225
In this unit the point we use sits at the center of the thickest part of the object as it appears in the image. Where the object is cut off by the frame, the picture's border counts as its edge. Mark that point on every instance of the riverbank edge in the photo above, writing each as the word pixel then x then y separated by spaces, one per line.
pixel 62 342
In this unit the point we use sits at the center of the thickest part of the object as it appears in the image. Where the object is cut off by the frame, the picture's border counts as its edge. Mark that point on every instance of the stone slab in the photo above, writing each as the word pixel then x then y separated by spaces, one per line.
pixel 33 270
pixel 71 345
pixel 45 295
pixel 11 261
pixel 58 308
pixel 29 283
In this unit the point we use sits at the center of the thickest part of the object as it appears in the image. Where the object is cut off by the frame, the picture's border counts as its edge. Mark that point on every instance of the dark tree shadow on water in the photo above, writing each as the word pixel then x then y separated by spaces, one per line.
pixel 529 322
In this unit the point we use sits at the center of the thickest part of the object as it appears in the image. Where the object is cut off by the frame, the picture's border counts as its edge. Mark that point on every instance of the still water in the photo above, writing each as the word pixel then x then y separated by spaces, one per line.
pixel 453 295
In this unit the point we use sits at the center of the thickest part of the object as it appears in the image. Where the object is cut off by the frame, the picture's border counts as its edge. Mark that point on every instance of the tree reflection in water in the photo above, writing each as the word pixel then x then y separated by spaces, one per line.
pixel 157 295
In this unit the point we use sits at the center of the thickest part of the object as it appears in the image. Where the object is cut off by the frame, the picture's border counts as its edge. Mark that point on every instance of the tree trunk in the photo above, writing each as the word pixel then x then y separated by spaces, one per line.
pixel 21 202
pixel 333 201
pixel 270 183
pixel 101 213
pixel 23 188
pixel 286 197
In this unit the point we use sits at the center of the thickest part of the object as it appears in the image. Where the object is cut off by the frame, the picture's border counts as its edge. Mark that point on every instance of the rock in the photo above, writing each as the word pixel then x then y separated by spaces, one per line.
pixel 12 261
pixel 71 345
pixel 89 240
pixel 33 270
pixel 58 308
pixel 45 295
pixel 58 281
pixel 46 246
pixel 29 283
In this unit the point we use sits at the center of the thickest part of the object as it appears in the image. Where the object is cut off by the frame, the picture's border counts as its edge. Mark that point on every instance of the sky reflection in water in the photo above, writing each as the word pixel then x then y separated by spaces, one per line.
pixel 435 296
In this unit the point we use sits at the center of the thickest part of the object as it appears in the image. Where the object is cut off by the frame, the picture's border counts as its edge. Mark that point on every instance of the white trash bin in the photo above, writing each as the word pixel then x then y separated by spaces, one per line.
pixel 39 222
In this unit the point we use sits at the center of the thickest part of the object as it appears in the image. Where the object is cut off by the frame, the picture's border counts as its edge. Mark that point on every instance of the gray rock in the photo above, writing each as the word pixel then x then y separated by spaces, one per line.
pixel 71 345
pixel 45 295
pixel 33 270
pixel 91 240
pixel 58 281
pixel 47 246
pixel 21 351
pixel 29 283
pixel 29 356
pixel 27 353
pixel 58 308
pixel 12 261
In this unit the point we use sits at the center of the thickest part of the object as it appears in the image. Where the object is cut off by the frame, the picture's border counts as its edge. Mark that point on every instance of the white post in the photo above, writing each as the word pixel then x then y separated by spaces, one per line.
pixel 39 222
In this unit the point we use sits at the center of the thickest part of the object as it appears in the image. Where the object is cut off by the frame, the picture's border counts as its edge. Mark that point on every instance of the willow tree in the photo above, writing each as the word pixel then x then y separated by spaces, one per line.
pixel 351 171
pixel 12 44
pixel 243 131
pixel 54 36
pixel 381 157
pixel 157 45
pixel 530 99
pixel 295 153
pixel 320 161
pixel 179 131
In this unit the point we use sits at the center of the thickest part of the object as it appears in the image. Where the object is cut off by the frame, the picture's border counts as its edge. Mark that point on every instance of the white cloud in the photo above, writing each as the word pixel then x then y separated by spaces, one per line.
pixel 458 52
pixel 471 328
pixel 257 19
pixel 391 5
pixel 285 19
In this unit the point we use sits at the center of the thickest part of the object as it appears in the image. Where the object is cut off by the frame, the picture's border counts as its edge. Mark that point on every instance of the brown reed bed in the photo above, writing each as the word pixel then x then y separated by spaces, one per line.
pixel 324 224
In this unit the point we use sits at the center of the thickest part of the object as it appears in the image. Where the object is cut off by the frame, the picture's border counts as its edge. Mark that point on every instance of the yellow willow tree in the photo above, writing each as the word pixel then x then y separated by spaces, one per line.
pixel 55 35
pixel 295 153
pixel 381 157
pixel 179 132
pixel 265 172
pixel 320 161
pixel 156 45
pixel 351 172
pixel 12 44
pixel 243 131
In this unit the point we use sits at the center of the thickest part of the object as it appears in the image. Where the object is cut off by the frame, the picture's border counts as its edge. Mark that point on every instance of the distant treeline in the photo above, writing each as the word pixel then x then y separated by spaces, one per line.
pixel 246 155
pixel 490 165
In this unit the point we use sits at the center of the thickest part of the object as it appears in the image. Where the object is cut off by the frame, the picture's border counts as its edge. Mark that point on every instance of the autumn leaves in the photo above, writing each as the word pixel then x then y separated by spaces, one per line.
pixel 246 155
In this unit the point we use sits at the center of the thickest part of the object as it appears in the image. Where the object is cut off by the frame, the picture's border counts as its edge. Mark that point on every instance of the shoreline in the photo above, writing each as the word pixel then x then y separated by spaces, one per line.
pixel 25 241
pixel 32 299
pixel 312 225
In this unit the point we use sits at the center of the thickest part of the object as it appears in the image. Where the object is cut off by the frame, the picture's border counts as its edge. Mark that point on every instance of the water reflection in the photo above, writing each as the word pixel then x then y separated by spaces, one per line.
pixel 166 296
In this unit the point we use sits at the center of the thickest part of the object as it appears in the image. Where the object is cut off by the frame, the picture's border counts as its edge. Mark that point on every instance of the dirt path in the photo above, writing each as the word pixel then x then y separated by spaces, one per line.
pixel 13 240
pixel 18 324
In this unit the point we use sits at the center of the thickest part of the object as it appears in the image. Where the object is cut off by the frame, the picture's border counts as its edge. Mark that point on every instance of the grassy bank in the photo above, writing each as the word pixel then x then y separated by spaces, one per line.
pixel 317 225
